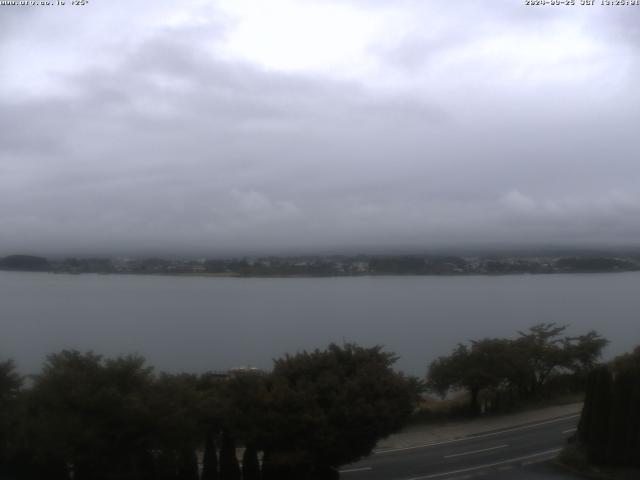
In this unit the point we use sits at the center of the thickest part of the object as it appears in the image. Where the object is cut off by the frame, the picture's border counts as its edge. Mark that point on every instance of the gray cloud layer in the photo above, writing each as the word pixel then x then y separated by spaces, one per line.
pixel 474 126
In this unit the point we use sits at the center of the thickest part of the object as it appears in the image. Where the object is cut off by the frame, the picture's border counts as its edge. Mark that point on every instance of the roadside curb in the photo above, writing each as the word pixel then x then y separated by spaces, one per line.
pixel 479 433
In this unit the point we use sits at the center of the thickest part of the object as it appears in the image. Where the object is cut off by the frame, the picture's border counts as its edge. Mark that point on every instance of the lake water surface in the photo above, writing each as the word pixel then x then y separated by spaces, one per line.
pixel 205 323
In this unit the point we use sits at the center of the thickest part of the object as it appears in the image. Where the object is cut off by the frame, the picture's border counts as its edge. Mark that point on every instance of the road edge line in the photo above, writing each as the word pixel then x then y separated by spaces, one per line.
pixel 478 435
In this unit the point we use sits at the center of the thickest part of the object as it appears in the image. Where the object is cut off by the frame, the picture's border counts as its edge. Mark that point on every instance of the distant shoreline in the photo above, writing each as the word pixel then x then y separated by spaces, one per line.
pixel 329 266
pixel 275 276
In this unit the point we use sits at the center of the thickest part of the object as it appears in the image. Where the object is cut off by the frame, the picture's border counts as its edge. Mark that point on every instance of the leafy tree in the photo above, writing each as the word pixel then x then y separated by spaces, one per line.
pixel 485 364
pixel 10 381
pixel 241 403
pixel 113 419
pixel 522 367
pixel 328 408
pixel 543 348
pixel 629 362
pixel 583 353
pixel 91 413
pixel 176 430
pixel 546 352
pixel 174 401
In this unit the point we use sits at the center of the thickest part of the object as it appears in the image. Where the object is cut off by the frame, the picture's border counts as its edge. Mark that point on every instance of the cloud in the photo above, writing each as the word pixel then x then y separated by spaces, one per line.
pixel 516 201
pixel 445 126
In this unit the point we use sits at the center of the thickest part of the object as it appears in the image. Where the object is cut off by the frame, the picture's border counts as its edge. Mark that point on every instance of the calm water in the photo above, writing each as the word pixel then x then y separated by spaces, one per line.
pixel 196 324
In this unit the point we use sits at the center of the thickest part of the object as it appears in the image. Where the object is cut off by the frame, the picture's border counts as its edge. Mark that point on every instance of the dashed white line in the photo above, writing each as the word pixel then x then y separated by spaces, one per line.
pixel 488 465
pixel 570 430
pixel 475 451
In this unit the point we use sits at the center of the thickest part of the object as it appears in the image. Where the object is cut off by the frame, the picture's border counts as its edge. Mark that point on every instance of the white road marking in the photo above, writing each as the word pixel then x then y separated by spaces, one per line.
pixel 352 470
pixel 475 451
pixel 488 465
pixel 570 430
pixel 473 437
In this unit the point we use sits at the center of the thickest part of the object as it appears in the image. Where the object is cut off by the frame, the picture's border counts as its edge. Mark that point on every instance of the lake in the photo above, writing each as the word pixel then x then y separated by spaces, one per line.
pixel 211 323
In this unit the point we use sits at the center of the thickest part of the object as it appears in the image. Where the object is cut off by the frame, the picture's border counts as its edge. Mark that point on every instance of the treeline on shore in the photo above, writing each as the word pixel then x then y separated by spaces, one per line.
pixel 330 265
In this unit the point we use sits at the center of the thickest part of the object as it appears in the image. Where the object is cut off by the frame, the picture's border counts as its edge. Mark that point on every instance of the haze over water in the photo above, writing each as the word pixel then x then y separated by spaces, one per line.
pixel 202 323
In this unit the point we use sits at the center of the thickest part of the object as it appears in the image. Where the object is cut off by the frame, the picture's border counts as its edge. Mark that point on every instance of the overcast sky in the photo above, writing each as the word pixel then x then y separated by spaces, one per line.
pixel 296 125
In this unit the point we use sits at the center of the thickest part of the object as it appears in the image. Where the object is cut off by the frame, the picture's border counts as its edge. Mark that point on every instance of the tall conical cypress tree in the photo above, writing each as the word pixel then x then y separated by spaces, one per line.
pixel 166 465
pixel 586 417
pixel 634 424
pixel 210 460
pixel 594 426
pixel 229 468
pixel 267 471
pixel 610 423
pixel 616 445
pixel 188 466
pixel 250 464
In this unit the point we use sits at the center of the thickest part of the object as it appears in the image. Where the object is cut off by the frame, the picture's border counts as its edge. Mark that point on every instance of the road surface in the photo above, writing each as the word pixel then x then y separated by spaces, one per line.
pixel 512 453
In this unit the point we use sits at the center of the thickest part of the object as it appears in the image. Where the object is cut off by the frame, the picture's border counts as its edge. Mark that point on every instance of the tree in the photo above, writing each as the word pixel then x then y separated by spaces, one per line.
pixel 10 381
pixel 593 428
pixel 629 362
pixel 485 364
pixel 582 355
pixel 188 464
pixel 447 372
pixel 10 384
pixel 250 464
pixel 609 428
pixel 242 406
pixel 505 368
pixel 543 348
pixel 92 413
pixel 546 353
pixel 327 408
pixel 210 459
pixel 175 429
pixel 229 468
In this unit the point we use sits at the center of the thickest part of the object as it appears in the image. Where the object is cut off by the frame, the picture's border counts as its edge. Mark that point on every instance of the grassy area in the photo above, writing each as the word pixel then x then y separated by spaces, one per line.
pixel 564 399
pixel 433 410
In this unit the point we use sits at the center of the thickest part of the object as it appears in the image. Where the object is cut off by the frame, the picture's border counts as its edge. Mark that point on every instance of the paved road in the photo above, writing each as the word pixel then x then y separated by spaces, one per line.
pixel 512 453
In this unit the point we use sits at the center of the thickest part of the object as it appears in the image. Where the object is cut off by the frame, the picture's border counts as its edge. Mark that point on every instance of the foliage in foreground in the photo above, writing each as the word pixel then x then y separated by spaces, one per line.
pixel 609 429
pixel 503 371
pixel 108 419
